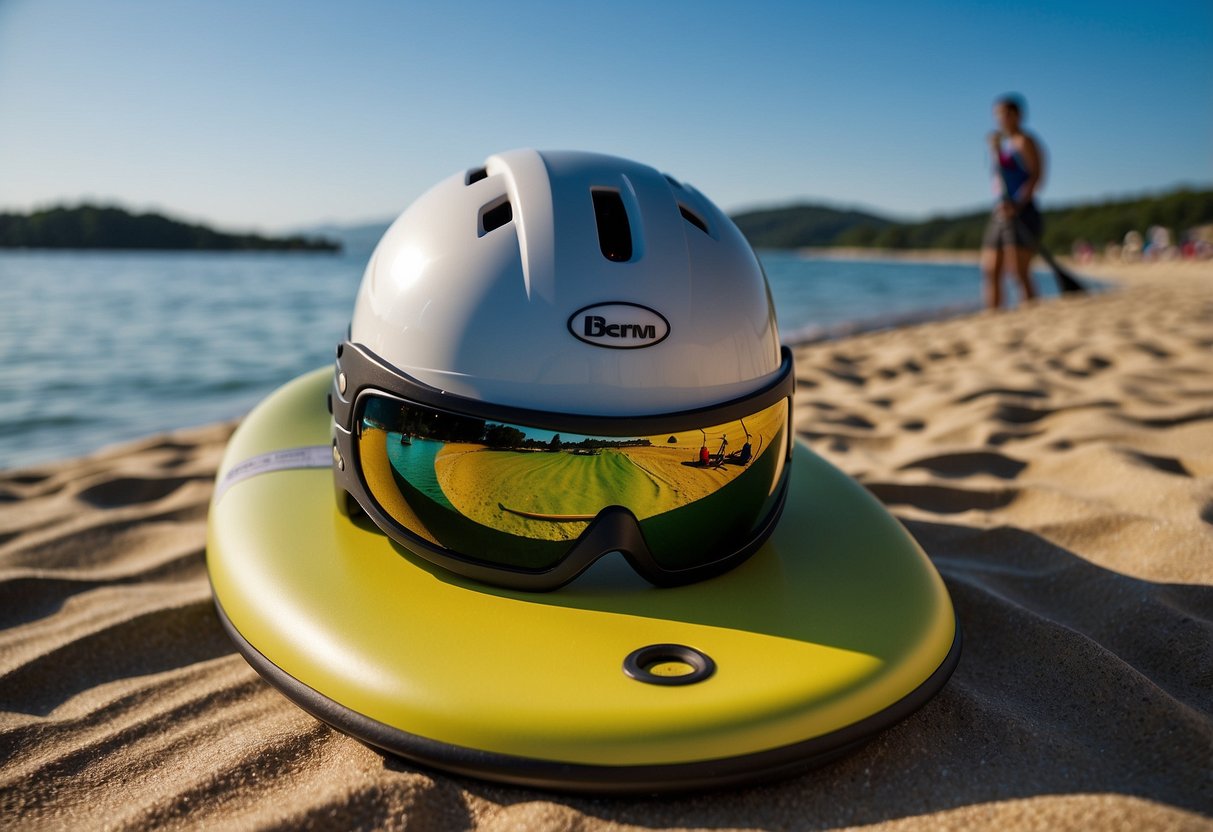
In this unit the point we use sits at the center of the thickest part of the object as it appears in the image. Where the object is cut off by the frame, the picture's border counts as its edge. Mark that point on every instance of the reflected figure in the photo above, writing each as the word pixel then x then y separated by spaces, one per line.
pixel 743 456
pixel 724 443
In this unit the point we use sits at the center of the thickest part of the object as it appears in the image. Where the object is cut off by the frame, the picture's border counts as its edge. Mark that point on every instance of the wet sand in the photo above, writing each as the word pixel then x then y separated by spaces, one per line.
pixel 1055 462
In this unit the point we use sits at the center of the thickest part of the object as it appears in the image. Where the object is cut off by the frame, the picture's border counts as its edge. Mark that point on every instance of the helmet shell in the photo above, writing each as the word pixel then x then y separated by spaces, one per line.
pixel 499 315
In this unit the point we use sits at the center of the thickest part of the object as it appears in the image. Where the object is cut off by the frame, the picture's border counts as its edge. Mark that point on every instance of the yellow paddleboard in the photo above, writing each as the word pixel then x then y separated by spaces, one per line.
pixel 836 629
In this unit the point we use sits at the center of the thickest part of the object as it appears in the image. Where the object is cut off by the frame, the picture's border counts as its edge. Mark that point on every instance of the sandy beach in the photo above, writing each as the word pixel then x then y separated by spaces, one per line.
pixel 1056 463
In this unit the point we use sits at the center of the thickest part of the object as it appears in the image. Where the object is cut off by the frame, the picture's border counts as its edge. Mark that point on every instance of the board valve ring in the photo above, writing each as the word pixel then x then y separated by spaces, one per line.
pixel 668 664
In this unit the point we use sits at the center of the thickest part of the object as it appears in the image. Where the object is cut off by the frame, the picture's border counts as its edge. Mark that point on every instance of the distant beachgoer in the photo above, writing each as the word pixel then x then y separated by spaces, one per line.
pixel 704 455
pixel 1015 226
pixel 1134 243
pixel 1158 244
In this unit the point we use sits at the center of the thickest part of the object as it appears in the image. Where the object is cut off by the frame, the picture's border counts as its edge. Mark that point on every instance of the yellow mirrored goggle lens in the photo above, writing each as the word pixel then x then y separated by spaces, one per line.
pixel 520 496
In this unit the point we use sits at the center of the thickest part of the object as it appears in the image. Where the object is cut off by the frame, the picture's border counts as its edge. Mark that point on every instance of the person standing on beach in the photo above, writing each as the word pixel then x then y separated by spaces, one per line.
pixel 1011 236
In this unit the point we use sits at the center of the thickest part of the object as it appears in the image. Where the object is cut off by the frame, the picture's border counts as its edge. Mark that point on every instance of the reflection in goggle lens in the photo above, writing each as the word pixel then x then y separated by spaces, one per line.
pixel 513 495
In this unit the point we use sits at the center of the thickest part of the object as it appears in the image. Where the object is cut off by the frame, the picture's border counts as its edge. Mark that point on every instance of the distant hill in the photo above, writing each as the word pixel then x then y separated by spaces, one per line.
pixel 808 225
pixel 1098 223
pixel 791 227
pixel 798 226
pixel 110 227
pixel 356 240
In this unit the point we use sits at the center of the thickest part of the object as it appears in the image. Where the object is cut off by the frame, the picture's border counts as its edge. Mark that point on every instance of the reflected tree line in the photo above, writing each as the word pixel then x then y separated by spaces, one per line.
pixel 449 427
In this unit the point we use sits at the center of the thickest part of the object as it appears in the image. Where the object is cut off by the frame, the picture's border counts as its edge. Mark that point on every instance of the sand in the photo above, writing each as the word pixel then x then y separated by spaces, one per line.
pixel 1055 462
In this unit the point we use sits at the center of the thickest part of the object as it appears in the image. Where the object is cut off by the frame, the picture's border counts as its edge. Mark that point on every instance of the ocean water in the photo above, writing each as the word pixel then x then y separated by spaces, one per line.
pixel 819 297
pixel 102 347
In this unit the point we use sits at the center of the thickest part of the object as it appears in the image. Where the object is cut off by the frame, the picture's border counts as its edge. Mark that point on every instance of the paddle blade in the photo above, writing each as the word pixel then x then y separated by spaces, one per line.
pixel 1066 282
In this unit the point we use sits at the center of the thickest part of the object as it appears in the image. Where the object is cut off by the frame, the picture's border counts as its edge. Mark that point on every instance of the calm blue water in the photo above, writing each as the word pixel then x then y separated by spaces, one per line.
pixel 819 297
pixel 103 347
pixel 416 461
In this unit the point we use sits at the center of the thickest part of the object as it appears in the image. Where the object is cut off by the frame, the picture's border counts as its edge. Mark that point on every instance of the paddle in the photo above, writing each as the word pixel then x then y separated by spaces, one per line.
pixel 1066 282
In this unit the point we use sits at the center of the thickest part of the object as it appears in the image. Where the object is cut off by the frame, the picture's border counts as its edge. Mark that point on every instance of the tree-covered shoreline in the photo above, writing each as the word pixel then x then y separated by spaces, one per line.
pixel 110 227
pixel 795 226
pixel 1097 223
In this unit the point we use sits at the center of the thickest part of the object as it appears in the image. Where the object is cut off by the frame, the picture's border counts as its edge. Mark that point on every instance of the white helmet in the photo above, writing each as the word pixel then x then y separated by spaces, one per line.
pixel 538 348
pixel 571 282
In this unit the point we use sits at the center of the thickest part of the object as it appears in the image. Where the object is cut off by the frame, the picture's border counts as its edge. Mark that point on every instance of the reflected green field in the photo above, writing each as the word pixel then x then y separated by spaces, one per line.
pixel 493 486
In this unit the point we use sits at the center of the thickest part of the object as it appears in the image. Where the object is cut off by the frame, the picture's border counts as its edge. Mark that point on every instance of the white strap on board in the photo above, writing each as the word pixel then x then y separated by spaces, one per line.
pixel 307 456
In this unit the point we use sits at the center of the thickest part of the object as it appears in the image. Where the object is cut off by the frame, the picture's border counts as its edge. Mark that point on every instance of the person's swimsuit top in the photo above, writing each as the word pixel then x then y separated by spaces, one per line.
pixel 1012 169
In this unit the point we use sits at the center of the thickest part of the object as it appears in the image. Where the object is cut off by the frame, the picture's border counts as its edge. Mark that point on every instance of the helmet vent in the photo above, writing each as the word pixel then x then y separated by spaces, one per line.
pixel 476 174
pixel 693 218
pixel 493 216
pixel 614 232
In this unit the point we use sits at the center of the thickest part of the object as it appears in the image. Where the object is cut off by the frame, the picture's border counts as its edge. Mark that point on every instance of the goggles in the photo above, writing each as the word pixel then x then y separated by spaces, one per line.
pixel 528 499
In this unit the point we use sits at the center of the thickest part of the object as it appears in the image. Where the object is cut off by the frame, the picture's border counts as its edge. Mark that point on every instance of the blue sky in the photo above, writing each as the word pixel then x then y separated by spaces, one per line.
pixel 275 114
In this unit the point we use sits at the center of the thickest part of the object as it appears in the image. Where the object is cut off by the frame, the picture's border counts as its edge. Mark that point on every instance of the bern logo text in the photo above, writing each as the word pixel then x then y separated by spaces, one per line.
pixel 619 325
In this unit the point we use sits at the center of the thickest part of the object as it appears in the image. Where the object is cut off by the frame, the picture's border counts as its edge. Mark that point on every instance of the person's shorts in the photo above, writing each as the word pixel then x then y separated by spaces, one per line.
pixel 1001 233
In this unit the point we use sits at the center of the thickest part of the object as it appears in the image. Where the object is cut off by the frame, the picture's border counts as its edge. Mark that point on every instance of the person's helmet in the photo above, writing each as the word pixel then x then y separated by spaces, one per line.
pixel 588 304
